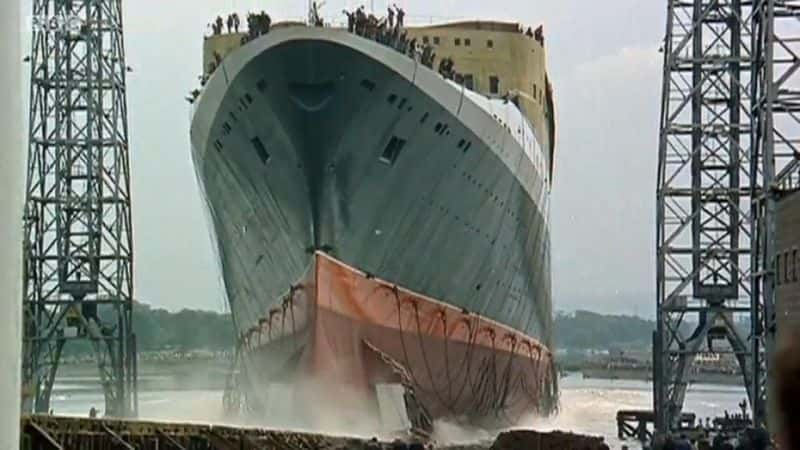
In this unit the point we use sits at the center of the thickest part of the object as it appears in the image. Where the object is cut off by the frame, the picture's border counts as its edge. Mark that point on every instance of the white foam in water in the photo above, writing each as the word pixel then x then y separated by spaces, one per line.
pixel 11 171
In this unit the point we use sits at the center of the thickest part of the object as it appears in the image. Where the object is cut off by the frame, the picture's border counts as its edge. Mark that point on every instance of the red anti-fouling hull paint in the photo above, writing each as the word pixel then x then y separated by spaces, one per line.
pixel 344 331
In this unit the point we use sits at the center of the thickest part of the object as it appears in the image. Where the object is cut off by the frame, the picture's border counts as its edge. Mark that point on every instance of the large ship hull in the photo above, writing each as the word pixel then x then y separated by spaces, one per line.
pixel 340 332
pixel 317 145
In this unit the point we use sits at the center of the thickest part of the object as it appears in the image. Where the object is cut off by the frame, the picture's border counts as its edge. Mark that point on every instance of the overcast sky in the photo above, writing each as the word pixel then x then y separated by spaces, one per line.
pixel 605 67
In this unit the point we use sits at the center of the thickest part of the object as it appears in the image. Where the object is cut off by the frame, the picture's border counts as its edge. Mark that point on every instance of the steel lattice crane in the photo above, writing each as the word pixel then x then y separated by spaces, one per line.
pixel 78 255
pixel 729 147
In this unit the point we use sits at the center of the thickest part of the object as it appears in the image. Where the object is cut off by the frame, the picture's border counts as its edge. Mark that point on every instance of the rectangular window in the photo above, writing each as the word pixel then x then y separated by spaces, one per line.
pixel 368 84
pixel 778 269
pixel 248 98
pixel 436 40
pixel 786 278
pixel 467 42
pixel 457 42
pixel 490 43
pixel 425 39
pixel 494 85
pixel 794 265
pixel 392 150
pixel 261 151
pixel 469 81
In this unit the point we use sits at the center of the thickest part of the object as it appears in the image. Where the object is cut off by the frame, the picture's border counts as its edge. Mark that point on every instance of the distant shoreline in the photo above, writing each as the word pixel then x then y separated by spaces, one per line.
pixel 645 374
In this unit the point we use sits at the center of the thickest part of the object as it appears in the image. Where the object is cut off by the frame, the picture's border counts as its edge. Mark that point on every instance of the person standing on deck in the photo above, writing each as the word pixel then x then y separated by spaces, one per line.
pixel 529 32
pixel 236 22
pixel 351 20
pixel 361 21
pixel 316 18
pixel 390 17
pixel 400 16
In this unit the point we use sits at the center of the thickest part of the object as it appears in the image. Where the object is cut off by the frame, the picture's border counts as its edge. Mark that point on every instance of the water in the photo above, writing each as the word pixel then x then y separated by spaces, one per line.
pixel 588 406
pixel 177 391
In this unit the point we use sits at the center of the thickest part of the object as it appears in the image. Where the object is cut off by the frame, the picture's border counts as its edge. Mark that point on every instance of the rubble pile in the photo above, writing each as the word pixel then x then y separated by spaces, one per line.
pixel 534 440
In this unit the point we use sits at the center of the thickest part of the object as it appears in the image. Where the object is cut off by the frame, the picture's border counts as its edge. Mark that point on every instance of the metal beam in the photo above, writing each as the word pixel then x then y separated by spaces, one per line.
pixel 42 439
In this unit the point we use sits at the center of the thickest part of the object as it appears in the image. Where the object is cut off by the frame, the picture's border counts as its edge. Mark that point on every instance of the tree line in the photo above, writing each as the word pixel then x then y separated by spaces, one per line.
pixel 189 330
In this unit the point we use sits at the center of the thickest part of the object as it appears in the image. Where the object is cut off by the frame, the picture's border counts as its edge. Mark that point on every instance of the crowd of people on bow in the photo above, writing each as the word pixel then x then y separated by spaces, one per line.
pixel 390 31
pixel 232 22
pixel 368 25
pixel 258 24
pixel 537 34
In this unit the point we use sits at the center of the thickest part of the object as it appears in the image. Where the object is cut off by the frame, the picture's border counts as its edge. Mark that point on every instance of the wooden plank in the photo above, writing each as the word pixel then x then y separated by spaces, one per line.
pixel 171 441
pixel 33 428
pixel 117 438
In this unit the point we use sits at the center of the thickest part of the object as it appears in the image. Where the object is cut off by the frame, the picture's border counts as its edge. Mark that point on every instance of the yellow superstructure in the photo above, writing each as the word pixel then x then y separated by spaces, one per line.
pixel 495 59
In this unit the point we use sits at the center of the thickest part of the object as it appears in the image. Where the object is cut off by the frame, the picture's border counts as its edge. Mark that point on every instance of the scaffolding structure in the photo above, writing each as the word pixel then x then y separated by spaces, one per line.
pixel 78 261
pixel 723 160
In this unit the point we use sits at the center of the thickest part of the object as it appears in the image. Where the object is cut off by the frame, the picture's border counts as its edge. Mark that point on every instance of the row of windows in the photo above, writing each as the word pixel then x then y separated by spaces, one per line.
pixel 396 144
pixel 244 103
pixel 467 42
pixel 468 81
pixel 786 270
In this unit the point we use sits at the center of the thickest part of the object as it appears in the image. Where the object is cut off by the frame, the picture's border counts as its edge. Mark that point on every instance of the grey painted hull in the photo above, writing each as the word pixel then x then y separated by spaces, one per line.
pixel 288 138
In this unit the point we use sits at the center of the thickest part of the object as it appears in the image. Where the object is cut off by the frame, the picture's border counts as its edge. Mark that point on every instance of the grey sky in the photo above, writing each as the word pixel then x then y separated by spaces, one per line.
pixel 605 68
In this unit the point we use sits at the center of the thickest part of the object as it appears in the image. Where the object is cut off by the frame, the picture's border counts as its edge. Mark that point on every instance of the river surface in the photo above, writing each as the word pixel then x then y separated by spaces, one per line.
pixel 192 391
